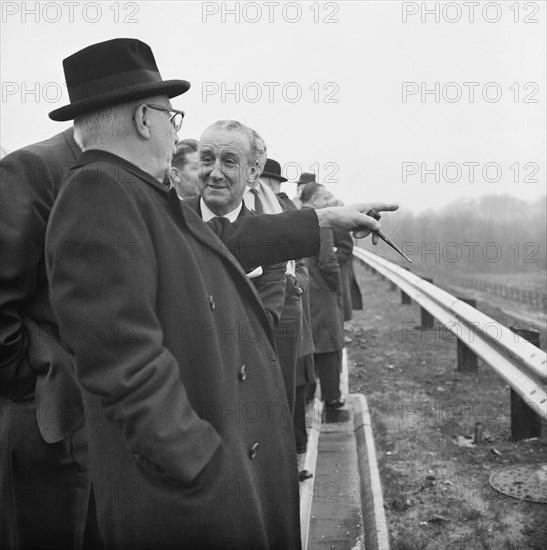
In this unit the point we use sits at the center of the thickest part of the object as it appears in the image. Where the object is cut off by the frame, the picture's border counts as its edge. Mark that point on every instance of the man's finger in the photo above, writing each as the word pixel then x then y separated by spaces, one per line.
pixel 368 222
pixel 378 206
pixel 365 225
pixel 383 206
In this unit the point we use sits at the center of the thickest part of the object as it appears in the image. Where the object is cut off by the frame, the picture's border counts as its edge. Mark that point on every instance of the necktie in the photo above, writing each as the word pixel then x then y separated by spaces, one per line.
pixel 259 207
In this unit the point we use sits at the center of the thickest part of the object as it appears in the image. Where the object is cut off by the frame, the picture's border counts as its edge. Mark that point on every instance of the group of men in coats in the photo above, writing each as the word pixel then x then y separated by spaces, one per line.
pixel 137 412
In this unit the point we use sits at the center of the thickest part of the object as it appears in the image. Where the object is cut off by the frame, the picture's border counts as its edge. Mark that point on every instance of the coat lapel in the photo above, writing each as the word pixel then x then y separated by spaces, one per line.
pixel 187 212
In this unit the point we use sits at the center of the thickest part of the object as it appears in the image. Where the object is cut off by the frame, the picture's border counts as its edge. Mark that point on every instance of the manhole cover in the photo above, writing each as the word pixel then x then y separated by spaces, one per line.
pixel 525 482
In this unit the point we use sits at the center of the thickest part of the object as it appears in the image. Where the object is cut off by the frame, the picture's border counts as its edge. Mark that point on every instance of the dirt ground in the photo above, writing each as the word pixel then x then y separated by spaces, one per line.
pixel 435 480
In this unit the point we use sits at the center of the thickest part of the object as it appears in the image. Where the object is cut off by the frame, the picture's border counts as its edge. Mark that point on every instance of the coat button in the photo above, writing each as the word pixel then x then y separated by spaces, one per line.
pixel 253 450
pixel 242 372
pixel 212 301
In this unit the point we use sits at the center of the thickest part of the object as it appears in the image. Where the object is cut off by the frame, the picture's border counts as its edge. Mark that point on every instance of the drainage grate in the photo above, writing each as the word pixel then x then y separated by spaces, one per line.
pixel 525 482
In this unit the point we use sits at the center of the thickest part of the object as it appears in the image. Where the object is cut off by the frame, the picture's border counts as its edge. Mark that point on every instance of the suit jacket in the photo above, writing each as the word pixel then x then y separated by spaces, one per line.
pixel 188 443
pixel 35 363
pixel 325 297
pixel 271 284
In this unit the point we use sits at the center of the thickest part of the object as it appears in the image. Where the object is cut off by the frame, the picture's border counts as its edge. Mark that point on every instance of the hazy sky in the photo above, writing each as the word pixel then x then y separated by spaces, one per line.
pixel 372 96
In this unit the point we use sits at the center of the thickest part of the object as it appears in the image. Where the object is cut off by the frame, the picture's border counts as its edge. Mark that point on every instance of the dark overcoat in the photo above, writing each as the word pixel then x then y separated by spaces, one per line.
pixel 188 442
pixel 343 244
pixel 355 290
pixel 271 284
pixel 326 297
pixel 43 444
pixel 305 372
pixel 33 359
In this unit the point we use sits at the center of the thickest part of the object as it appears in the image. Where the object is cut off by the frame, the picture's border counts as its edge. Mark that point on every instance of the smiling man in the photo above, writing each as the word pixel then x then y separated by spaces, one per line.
pixel 228 163
pixel 228 158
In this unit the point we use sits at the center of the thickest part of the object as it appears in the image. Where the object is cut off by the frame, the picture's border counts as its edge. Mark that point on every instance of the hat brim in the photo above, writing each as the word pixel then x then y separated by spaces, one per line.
pixel 281 179
pixel 170 88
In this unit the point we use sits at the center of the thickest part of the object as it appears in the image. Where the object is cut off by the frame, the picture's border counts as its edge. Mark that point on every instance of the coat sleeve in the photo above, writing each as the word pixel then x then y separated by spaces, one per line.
pixel 27 195
pixel 105 306
pixel 270 238
pixel 327 262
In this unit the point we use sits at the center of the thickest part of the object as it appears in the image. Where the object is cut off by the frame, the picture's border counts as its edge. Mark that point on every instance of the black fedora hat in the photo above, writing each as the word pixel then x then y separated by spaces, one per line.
pixel 272 169
pixel 306 177
pixel 110 73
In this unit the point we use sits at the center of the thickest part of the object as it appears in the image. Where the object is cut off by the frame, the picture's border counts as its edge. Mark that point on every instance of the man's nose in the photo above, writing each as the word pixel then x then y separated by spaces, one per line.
pixel 216 172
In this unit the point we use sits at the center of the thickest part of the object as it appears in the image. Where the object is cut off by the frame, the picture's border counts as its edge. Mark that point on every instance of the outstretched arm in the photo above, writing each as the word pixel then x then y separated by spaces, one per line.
pixel 274 238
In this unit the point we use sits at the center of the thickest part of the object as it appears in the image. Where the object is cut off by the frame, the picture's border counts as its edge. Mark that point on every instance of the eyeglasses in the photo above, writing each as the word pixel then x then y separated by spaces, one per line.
pixel 175 119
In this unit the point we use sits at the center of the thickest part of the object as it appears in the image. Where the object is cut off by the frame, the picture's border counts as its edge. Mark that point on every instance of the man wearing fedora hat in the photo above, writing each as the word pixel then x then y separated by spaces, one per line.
pixel 294 332
pixel 188 444
pixel 262 199
pixel 305 177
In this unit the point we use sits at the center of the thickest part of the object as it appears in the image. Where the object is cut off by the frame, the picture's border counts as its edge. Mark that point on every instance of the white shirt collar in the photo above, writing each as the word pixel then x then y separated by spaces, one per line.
pixel 207 213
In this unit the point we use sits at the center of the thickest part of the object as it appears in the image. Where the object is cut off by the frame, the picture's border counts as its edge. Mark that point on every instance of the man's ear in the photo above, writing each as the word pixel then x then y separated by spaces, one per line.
pixel 252 172
pixel 141 121
pixel 174 174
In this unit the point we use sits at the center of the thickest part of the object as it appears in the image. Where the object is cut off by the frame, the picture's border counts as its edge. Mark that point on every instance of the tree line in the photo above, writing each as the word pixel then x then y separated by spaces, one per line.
pixel 491 234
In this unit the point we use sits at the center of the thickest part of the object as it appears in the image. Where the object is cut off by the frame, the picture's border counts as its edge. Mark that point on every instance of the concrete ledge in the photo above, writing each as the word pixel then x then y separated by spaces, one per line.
pixel 310 461
pixel 372 500
pixel 344 413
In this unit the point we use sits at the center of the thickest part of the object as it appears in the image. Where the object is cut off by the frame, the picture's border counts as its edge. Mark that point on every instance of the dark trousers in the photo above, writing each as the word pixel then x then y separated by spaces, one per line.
pixel 327 367
pixel 286 352
pixel 305 377
pixel 287 341
pixel 48 490
pixel 299 420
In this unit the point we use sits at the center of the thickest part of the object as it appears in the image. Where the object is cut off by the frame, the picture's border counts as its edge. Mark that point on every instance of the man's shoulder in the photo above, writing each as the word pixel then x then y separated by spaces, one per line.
pixel 42 165
pixel 285 202
pixel 99 179
pixel 45 150
pixel 193 203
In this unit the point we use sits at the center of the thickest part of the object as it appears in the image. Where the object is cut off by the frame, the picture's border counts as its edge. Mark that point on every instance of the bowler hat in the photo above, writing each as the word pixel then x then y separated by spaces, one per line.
pixel 110 73
pixel 272 169
pixel 306 177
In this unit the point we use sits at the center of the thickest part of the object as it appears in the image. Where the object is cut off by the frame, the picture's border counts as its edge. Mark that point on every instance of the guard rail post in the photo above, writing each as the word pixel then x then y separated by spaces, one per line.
pixel 427 320
pixel 467 360
pixel 405 298
pixel 525 422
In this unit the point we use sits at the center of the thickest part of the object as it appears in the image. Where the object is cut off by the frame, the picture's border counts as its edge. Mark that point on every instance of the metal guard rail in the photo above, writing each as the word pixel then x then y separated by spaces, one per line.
pixel 521 364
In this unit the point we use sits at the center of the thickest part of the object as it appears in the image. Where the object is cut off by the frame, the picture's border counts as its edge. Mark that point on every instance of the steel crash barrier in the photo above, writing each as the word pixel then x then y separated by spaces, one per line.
pixel 520 363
